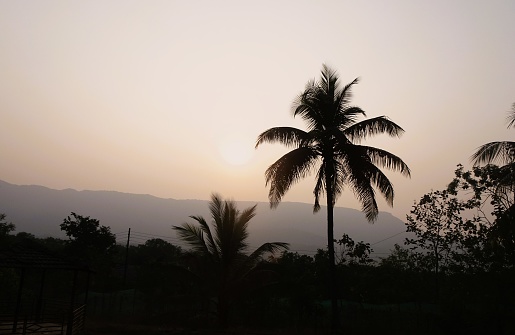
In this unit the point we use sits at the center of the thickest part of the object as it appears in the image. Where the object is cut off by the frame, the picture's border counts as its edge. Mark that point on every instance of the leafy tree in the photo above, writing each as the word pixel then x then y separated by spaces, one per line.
pixel 5 227
pixel 331 148
pixel 466 229
pixel 401 259
pixel 503 153
pixel 436 222
pixel 490 238
pixel 156 251
pixel 52 243
pixel 352 252
pixel 221 251
pixel 87 238
pixel 301 285
pixel 8 283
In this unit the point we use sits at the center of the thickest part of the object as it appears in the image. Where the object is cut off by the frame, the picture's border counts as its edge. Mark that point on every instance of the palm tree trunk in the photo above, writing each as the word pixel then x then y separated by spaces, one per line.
pixel 335 321
pixel 223 299
pixel 223 312
pixel 437 270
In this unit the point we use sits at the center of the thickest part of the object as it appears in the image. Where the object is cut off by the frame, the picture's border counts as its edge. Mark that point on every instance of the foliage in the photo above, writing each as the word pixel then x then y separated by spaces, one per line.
pixel 221 251
pixel 331 143
pixel 5 227
pixel 352 252
pixel 401 259
pixel 89 241
pixel 87 232
pixel 301 285
pixel 437 224
pixel 330 148
pixel 155 251
pixel 501 151
pixel 466 228
pixel 490 234
pixel 52 243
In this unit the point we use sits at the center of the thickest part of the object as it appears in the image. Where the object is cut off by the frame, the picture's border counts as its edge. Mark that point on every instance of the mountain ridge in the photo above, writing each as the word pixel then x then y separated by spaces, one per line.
pixel 39 210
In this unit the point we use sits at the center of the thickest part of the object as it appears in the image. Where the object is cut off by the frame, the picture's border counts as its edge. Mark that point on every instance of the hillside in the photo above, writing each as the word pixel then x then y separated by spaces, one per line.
pixel 40 210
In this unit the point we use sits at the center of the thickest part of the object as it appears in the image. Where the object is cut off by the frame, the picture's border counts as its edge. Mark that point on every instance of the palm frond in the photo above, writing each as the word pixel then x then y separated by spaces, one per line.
pixel 232 235
pixel 382 183
pixel 309 106
pixel 287 170
pixel 319 188
pixel 347 116
pixel 344 96
pixel 216 208
pixel 356 172
pixel 207 235
pixel 328 80
pixel 270 247
pixel 288 136
pixel 194 236
pixel 502 152
pixel 387 160
pixel 247 265
pixel 240 231
pixel 338 180
pixel 373 126
pixel 510 118
pixel 503 177
pixel 366 195
pixel 247 214
pixel 362 175
pixel 336 171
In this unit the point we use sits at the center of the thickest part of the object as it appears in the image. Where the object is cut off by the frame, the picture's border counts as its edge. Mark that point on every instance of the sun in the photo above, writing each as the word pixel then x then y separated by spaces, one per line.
pixel 236 152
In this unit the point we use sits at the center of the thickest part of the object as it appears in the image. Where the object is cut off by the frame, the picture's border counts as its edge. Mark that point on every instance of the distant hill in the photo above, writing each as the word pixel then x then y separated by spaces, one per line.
pixel 39 210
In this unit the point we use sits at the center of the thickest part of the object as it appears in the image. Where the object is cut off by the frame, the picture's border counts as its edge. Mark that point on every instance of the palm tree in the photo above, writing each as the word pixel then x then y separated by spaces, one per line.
pixel 502 152
pixel 223 250
pixel 330 147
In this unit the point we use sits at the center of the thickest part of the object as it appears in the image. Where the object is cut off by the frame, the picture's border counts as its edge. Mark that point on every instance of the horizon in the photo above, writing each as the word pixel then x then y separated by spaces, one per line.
pixel 167 100
pixel 43 208
pixel 191 199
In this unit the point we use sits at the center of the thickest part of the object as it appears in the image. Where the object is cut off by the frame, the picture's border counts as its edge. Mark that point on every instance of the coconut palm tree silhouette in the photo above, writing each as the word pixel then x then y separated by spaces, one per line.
pixel 330 148
pixel 502 152
pixel 222 251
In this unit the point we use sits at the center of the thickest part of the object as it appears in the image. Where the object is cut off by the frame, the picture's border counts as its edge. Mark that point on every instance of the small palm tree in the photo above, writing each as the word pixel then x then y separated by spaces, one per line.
pixel 223 250
pixel 502 152
pixel 330 148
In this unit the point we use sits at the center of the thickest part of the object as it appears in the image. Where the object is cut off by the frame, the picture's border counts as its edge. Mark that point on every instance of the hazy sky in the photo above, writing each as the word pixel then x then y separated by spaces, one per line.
pixel 156 97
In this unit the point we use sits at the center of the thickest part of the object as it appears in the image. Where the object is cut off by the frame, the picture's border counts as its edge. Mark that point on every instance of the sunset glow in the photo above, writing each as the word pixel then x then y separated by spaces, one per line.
pixel 235 152
pixel 168 97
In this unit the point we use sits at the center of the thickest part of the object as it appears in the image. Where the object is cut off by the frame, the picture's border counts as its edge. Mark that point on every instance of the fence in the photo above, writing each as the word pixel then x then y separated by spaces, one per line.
pixel 41 317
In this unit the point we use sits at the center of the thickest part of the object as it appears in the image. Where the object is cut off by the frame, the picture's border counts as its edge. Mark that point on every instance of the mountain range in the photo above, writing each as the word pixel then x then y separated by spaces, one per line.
pixel 40 210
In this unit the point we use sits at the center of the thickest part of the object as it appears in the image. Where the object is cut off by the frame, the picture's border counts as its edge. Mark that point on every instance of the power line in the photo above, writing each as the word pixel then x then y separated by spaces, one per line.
pixel 402 232
pixel 143 237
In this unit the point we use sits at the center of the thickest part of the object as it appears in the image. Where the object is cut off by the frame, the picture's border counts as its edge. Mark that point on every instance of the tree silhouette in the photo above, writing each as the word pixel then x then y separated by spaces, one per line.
pixel 5 227
pixel 437 224
pixel 331 147
pixel 89 241
pixel 222 251
pixel 502 152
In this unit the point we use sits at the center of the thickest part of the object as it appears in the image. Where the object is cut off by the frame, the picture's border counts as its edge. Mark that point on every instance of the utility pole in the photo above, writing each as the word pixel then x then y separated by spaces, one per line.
pixel 126 259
